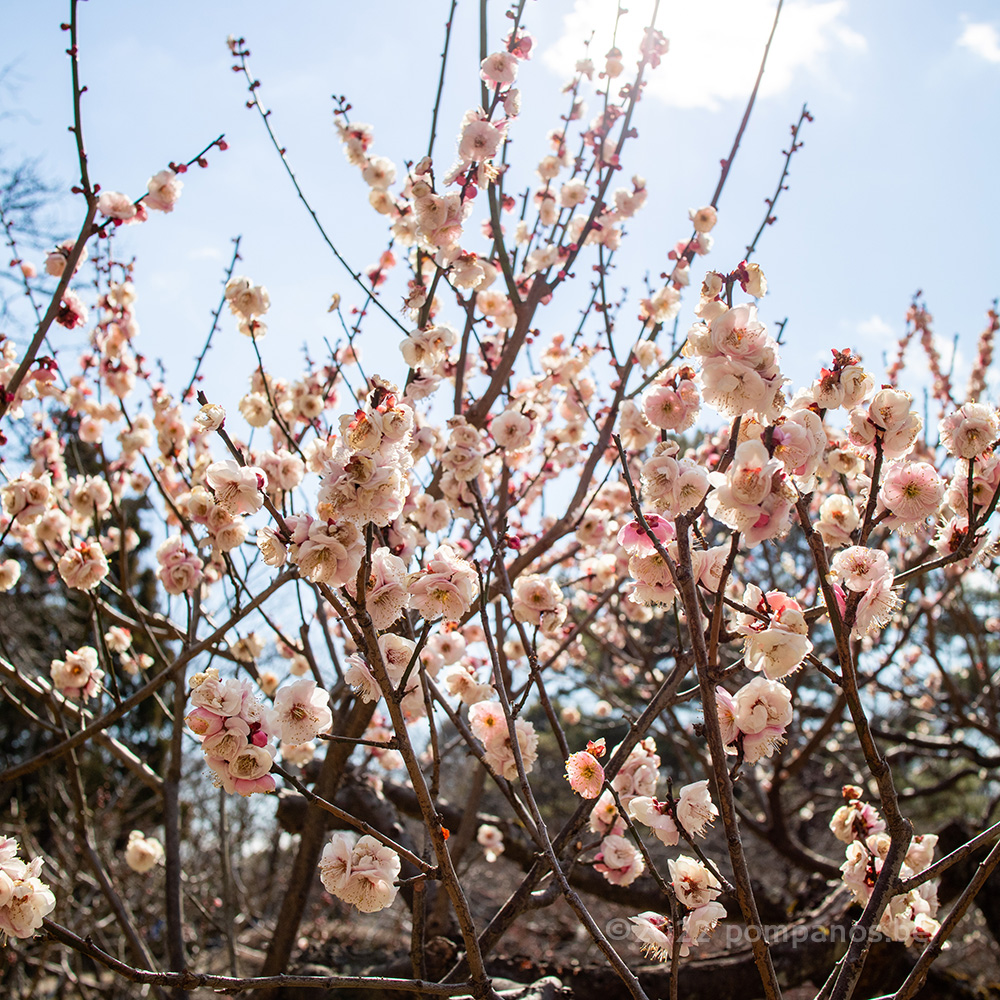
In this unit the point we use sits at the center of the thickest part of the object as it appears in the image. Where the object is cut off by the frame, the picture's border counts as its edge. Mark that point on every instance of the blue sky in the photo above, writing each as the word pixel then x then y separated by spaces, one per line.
pixel 893 191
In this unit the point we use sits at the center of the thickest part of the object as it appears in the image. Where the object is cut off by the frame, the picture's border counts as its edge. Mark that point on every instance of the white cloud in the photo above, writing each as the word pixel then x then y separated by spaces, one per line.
pixel 715 47
pixel 983 39
pixel 877 329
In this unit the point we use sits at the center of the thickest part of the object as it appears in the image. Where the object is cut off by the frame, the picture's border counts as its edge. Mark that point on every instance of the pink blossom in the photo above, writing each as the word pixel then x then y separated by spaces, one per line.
pixel 585 774
pixel 619 861
pixel 164 190
pixel 78 676
pixel 971 430
pixel 83 566
pixel 634 539
pixel 499 68
pixel 656 816
pixel 859 567
pixel 912 492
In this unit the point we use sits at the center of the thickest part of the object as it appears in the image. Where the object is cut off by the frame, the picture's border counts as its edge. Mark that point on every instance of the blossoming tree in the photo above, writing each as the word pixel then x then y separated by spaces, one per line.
pixel 471 562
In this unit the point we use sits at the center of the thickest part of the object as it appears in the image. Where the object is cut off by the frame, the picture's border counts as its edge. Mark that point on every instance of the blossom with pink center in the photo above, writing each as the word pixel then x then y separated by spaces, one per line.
pixel 116 205
pixel 204 722
pixel 672 402
pixel 229 742
pixel 604 817
pixel 25 900
pixel 445 588
pixel 776 652
pixel 385 592
pixel 499 752
pixel 237 488
pixel 727 715
pixel 656 934
pixel 486 720
pixel 656 815
pixel 536 595
pixel 694 884
pixel 249 770
pixel 635 540
pixel 756 746
pixel 180 569
pixel 72 312
pixel 480 139
pixel 877 606
pixel 912 492
pixel 703 219
pixel 585 774
pixel 837 520
pixel 360 677
pixel 327 553
pixel 703 920
pixel 360 871
pixel 762 703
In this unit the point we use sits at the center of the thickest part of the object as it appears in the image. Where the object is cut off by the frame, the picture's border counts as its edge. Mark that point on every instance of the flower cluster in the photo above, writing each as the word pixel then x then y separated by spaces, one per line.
pixel 78 676
pixel 754 719
pixel 909 917
pixel 360 871
pixel 776 633
pixel 488 725
pixel 235 730
pixel 691 812
pixel 25 900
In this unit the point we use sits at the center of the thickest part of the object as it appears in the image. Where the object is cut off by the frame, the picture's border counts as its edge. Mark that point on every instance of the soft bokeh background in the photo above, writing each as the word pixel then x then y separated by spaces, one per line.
pixel 894 190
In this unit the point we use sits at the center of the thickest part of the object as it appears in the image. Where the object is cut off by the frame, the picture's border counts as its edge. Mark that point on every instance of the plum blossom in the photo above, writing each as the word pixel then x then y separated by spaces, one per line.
pixel 235 731
pixel 911 492
pixel 694 884
pixel 237 488
pixel 538 600
pixel 302 711
pixel 695 809
pixel 672 401
pixel 78 676
pixel 490 839
pixel 585 774
pixel 971 430
pixel 619 861
pixel 445 587
pixel 360 871
pixel 25 900
pixel 83 566
pixel 180 569
pixel 164 189
pixel 776 639
pixel 142 853
pixel 657 816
